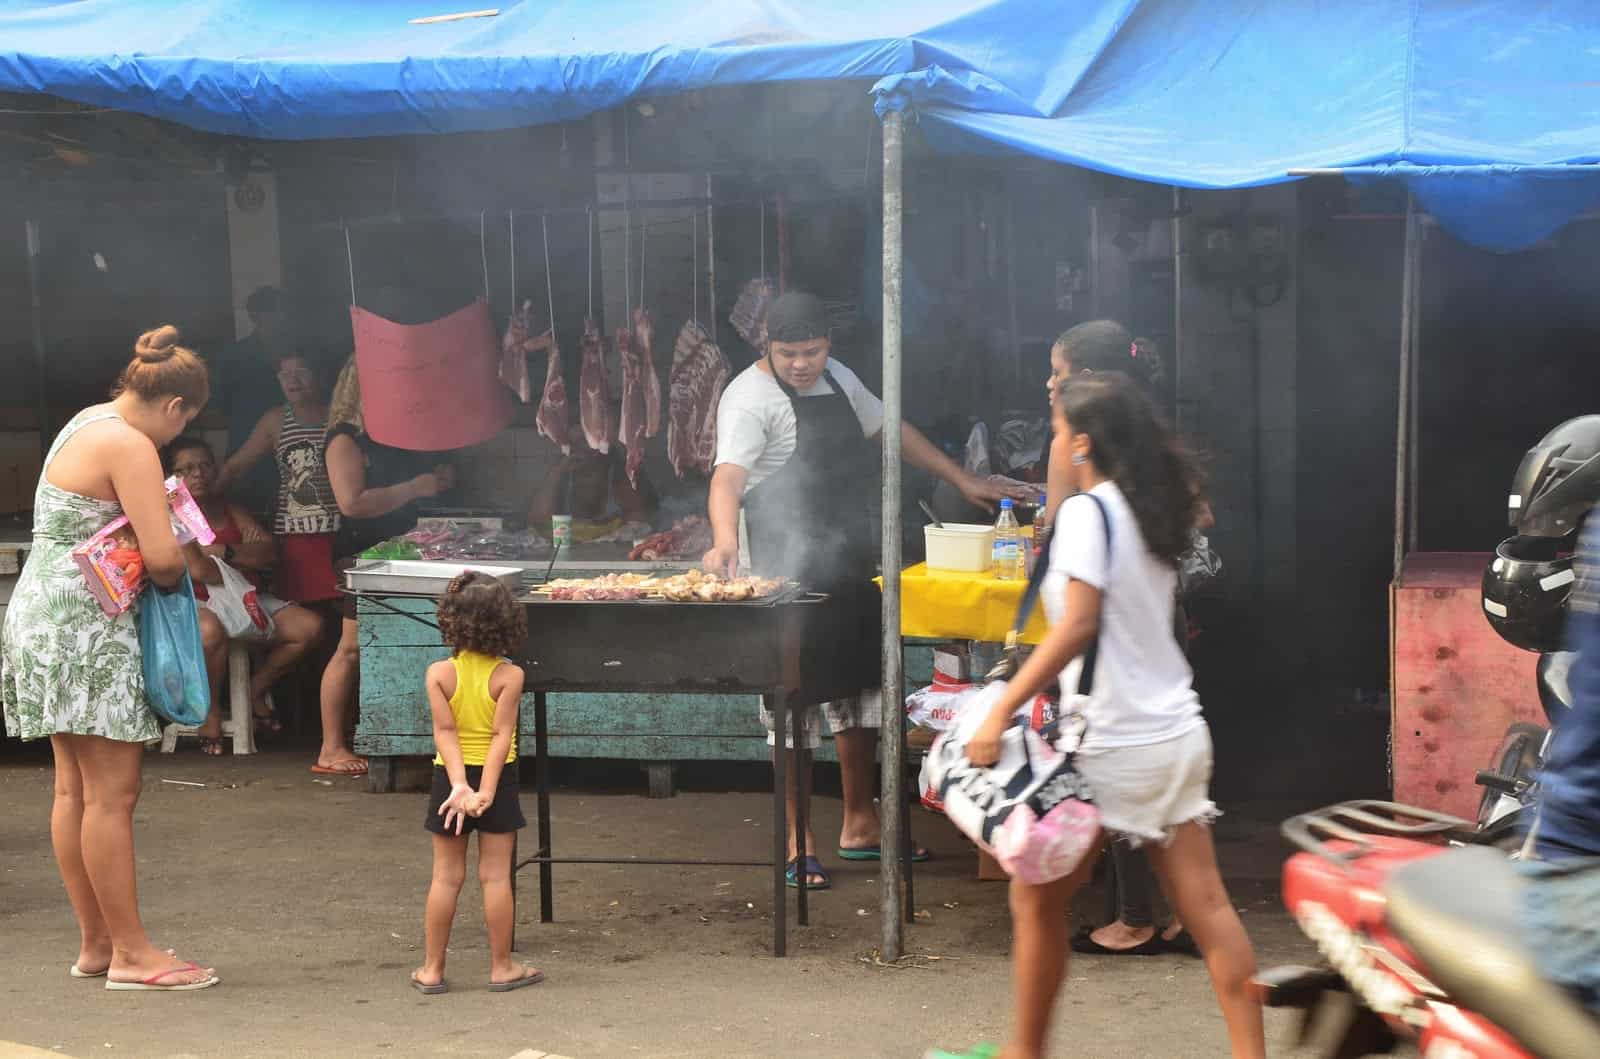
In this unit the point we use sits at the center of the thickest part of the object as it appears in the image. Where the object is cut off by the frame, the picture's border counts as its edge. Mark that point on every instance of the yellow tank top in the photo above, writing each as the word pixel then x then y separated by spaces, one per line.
pixel 473 708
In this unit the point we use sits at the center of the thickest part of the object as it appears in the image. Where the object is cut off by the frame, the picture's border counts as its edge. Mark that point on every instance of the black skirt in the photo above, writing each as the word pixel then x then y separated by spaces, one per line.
pixel 503 817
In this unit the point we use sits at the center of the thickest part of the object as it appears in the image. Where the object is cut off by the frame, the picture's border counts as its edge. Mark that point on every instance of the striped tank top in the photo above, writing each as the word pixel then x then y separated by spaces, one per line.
pixel 305 497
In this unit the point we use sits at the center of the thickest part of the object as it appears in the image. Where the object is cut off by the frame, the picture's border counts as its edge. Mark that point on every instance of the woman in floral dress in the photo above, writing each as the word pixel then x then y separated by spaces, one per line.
pixel 71 674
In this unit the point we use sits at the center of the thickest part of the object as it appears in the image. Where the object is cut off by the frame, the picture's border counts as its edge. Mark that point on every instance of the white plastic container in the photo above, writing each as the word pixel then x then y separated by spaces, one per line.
pixel 959 547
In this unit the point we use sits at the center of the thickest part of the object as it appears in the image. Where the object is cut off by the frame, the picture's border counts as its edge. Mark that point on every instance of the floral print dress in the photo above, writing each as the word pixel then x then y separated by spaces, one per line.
pixel 65 665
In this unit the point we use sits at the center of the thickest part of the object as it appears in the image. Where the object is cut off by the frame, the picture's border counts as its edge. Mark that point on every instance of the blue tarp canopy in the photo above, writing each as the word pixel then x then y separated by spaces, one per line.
pixel 1488 109
pixel 307 69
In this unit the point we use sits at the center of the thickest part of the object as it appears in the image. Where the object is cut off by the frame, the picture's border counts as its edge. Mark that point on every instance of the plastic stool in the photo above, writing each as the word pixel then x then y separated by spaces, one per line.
pixel 239 724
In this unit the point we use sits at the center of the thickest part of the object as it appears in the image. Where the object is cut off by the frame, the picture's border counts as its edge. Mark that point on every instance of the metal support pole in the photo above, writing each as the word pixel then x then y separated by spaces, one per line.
pixel 1402 454
pixel 1413 478
pixel 36 310
pixel 1177 310
pixel 892 805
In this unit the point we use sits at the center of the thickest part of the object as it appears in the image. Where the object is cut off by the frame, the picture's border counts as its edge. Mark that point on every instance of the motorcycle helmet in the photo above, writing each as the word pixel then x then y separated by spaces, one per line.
pixel 1525 590
pixel 1557 481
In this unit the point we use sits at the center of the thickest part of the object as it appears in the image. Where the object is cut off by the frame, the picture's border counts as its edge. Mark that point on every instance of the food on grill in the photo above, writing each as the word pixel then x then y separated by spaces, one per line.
pixel 644 330
pixel 456 542
pixel 699 373
pixel 631 430
pixel 697 587
pixel 749 316
pixel 594 398
pixel 691 587
pixel 688 538
pixel 523 337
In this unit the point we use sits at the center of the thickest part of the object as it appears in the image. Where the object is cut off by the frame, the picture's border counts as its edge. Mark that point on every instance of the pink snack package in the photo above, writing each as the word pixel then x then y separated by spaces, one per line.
pixel 111 588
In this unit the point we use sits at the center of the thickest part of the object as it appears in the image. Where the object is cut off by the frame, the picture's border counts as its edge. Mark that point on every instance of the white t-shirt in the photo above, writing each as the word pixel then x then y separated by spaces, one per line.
pixel 755 418
pixel 1143 688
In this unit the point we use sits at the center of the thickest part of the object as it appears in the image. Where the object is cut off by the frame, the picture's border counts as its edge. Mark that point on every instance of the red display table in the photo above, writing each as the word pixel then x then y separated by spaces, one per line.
pixel 1454 684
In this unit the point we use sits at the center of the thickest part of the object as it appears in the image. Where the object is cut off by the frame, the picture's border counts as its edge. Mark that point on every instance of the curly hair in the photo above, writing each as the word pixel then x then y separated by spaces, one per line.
pixel 1131 444
pixel 478 614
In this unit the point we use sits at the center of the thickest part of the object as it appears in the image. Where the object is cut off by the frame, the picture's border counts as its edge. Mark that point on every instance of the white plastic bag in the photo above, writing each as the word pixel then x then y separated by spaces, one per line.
pixel 237 606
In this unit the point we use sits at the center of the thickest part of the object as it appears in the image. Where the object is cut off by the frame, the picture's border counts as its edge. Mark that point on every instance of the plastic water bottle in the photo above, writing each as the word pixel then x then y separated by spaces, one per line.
pixel 1007 544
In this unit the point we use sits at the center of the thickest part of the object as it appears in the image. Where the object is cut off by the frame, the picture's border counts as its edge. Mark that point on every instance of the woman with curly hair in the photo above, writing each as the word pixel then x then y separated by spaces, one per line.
pixel 474 696
pixel 1146 751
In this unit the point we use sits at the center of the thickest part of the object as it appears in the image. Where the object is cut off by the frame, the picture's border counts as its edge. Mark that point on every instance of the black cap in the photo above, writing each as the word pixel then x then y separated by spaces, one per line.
pixel 797 317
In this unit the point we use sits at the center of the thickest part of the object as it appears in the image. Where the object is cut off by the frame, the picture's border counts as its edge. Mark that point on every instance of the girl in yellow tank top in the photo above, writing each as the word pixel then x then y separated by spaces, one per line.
pixel 473 696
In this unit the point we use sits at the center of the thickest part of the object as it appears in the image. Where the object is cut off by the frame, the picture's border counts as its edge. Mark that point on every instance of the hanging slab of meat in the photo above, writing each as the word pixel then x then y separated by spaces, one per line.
pixel 749 316
pixel 699 373
pixel 551 418
pixel 522 339
pixel 644 339
pixel 631 430
pixel 594 399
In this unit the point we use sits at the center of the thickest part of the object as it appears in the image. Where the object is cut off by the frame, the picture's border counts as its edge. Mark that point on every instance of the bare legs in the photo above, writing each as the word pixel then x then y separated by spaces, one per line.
pixel 857 749
pixel 1188 871
pixel 494 877
pixel 1187 868
pixel 214 642
pixel 339 682
pixel 449 872
pixel 295 631
pixel 91 828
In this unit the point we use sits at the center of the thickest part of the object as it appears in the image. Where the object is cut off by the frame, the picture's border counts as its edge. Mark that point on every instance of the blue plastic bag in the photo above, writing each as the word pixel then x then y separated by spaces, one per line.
pixel 175 678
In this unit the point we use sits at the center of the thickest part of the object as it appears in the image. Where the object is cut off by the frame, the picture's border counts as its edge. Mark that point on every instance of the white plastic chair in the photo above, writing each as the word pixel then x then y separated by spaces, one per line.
pixel 239 723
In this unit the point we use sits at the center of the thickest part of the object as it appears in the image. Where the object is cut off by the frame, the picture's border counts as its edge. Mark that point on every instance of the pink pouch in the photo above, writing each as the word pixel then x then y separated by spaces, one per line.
pixel 105 579
pixel 1043 849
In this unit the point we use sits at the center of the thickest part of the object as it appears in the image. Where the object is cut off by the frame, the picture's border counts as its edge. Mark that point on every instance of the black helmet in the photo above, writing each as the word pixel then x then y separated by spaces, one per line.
pixel 1557 481
pixel 1525 592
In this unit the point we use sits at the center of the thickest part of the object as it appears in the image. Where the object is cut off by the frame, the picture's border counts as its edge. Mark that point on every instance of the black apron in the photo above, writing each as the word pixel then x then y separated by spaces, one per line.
pixel 815 520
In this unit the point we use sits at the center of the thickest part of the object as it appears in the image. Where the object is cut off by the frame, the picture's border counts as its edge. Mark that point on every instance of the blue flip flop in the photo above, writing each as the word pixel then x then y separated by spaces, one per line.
pixel 876 853
pixel 813 866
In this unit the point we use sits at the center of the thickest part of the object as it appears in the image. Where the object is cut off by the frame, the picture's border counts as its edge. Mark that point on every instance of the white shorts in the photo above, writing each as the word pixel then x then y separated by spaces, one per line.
pixel 1144 792
pixel 859 711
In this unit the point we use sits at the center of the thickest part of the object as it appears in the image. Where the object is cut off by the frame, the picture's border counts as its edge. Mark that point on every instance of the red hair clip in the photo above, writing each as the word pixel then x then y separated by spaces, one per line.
pixel 1133 350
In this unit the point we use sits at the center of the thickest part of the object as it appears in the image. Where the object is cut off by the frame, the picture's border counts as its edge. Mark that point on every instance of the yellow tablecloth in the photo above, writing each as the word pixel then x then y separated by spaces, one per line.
pixel 942 605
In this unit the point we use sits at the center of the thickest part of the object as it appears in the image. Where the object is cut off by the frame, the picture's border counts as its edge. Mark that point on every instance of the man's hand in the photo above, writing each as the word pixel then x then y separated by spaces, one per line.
pixel 722 560
pixel 984 493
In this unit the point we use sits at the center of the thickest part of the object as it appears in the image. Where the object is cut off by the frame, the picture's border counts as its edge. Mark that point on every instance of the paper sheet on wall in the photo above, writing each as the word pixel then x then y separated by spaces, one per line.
pixel 431 387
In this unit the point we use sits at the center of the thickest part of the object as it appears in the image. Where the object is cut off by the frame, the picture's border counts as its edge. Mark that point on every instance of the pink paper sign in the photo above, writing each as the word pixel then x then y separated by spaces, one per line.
pixel 431 387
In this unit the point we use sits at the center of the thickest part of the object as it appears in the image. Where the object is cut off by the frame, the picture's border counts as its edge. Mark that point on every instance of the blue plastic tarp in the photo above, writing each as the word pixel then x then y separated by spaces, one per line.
pixel 306 69
pixel 1451 96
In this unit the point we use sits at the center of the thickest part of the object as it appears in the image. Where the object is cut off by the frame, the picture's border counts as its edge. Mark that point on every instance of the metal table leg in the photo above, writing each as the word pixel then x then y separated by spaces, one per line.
pixel 778 704
pixel 541 761
pixel 908 846
pixel 802 804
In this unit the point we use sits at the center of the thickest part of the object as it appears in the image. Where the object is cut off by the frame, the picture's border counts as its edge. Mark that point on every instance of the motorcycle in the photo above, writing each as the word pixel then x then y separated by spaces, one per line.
pixel 1510 783
pixel 1417 922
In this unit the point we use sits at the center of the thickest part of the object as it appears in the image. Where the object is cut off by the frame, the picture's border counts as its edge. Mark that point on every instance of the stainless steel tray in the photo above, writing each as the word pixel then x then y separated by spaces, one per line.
pixel 421 577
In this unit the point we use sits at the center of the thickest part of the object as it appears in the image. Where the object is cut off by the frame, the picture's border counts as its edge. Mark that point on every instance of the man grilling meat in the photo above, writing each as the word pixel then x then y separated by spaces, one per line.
pixel 798 449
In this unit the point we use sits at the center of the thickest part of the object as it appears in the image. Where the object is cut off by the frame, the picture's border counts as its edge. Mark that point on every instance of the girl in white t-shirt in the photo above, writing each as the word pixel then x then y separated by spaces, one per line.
pixel 1146 750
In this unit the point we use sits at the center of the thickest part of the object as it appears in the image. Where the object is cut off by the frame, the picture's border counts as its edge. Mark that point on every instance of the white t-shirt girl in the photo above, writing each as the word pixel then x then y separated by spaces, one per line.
pixel 1143 689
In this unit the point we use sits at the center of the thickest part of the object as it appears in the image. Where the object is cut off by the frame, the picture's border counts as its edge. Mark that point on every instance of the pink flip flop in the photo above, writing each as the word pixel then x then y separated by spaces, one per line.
pixel 153 983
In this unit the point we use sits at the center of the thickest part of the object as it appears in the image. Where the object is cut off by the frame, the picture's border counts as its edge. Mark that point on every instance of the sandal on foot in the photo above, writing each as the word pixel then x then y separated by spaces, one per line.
pixel 1084 942
pixel 267 724
pixel 441 986
pixel 154 983
pixel 74 972
pixel 1182 943
pixel 350 766
pixel 529 976
pixel 813 866
pixel 982 1051
pixel 211 746
pixel 918 855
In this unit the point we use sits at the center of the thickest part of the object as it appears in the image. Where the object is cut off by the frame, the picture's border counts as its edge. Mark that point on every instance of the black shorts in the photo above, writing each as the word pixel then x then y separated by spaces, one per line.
pixel 503 817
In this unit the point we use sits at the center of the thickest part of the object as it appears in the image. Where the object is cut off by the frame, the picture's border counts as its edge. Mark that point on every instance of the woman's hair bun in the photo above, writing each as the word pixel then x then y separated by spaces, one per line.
pixel 157 345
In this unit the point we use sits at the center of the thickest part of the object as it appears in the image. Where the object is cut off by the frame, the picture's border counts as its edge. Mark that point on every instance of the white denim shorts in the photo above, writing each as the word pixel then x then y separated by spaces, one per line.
pixel 1145 792
pixel 859 711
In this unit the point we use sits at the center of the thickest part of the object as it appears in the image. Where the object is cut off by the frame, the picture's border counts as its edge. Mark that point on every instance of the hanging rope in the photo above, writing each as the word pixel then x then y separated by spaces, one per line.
pixel 694 256
pixel 350 259
pixel 511 237
pixel 763 238
pixel 549 285
pixel 483 249
pixel 644 233
pixel 627 261
pixel 590 215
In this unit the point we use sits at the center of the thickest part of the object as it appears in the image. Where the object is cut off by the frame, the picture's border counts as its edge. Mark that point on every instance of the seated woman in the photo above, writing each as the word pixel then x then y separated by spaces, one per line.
pixel 593 487
pixel 245 546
